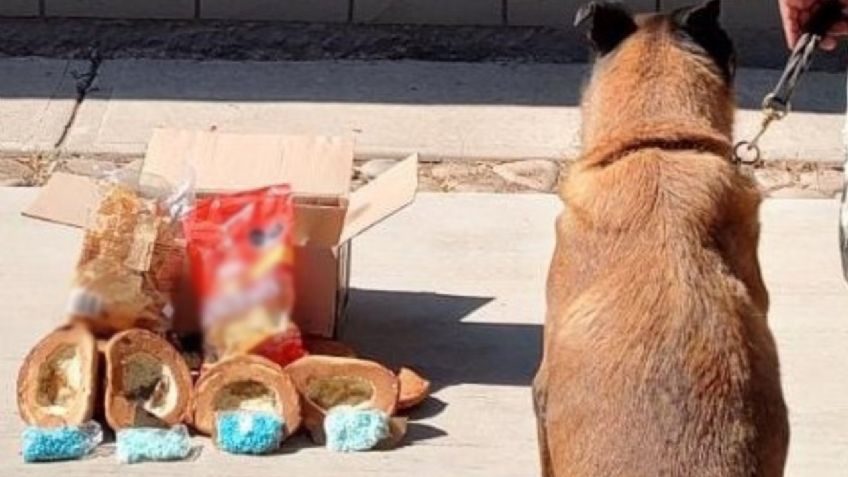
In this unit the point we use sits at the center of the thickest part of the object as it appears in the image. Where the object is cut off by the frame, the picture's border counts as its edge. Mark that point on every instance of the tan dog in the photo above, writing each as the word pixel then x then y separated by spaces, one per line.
pixel 658 360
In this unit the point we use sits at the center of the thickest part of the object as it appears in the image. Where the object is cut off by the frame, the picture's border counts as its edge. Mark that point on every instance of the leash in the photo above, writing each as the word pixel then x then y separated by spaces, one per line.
pixel 778 103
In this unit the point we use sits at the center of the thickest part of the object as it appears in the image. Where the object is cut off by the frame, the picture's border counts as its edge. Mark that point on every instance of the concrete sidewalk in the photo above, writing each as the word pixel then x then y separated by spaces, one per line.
pixel 463 303
pixel 442 110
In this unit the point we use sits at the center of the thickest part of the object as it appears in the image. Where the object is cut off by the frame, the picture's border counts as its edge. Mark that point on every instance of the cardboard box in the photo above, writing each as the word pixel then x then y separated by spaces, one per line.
pixel 328 214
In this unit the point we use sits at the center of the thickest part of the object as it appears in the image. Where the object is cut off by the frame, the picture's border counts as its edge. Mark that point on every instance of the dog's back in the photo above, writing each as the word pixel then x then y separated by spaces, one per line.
pixel 658 359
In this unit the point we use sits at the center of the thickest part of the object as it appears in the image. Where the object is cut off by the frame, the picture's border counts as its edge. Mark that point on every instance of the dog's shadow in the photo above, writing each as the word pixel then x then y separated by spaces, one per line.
pixel 426 332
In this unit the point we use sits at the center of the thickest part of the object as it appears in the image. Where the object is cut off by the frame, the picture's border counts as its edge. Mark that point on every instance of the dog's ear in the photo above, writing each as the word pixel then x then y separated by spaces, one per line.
pixel 706 15
pixel 702 25
pixel 610 23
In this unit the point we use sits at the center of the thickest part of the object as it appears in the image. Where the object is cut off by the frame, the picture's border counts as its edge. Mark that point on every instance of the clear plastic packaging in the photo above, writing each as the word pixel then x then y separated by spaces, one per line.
pixel 148 444
pixel 132 255
pixel 47 444
pixel 248 432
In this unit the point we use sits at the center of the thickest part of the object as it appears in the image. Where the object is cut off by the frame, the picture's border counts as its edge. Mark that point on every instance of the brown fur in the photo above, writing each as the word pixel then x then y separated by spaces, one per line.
pixel 658 360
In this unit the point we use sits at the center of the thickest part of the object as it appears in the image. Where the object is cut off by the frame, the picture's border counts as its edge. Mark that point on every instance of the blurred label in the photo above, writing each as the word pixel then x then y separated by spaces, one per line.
pixel 82 302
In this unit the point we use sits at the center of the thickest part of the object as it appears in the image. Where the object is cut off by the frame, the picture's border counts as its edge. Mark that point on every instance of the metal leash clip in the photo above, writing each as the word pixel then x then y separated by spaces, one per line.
pixel 748 152
pixel 777 104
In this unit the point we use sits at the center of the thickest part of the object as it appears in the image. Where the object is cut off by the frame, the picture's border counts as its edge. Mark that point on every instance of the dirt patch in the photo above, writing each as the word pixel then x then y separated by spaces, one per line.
pixel 789 179
pixel 33 170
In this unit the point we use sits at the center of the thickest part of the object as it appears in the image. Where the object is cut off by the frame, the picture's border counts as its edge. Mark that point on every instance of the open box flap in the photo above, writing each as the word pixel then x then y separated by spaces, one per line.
pixel 388 193
pixel 221 162
pixel 65 199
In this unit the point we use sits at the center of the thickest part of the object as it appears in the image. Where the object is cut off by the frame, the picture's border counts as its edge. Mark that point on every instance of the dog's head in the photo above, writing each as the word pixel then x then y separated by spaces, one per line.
pixel 695 29
pixel 658 66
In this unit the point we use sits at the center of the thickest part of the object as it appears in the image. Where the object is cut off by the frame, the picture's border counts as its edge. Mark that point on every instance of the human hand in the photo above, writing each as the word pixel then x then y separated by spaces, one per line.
pixel 796 13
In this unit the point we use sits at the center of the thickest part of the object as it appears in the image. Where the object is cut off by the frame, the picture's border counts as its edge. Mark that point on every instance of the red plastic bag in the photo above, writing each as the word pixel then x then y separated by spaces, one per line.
pixel 240 255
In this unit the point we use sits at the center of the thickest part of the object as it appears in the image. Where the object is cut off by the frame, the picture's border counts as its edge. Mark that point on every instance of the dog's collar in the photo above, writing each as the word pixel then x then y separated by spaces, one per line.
pixel 669 137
